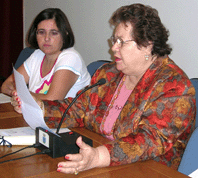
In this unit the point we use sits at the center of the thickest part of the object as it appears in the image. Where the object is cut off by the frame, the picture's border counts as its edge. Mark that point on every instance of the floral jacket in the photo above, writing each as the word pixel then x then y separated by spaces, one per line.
pixel 155 123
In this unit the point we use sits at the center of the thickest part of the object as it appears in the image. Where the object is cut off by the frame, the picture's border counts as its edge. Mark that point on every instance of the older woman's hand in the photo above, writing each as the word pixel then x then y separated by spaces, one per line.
pixel 87 158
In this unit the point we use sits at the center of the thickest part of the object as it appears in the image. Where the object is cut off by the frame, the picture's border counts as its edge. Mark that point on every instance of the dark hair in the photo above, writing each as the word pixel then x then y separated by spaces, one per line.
pixel 147 27
pixel 61 22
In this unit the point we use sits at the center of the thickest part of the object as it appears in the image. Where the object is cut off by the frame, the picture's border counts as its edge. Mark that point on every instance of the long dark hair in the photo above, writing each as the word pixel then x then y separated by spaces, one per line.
pixel 61 22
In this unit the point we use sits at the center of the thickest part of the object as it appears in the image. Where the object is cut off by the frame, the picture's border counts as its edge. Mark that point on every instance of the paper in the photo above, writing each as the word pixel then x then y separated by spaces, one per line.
pixel 19 136
pixel 24 131
pixel 4 98
pixel 20 140
pixel 23 135
pixel 31 111
pixel 20 131
pixel 194 174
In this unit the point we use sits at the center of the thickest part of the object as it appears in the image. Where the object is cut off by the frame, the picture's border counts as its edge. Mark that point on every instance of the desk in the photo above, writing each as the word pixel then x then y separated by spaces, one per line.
pixel 44 166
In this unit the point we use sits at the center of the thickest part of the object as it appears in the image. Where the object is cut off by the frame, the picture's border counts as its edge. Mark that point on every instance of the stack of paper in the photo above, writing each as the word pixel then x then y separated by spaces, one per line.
pixel 4 98
pixel 194 174
pixel 23 135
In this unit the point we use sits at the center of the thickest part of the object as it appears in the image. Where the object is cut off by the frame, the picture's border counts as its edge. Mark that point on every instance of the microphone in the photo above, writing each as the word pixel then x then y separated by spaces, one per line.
pixel 64 143
pixel 100 82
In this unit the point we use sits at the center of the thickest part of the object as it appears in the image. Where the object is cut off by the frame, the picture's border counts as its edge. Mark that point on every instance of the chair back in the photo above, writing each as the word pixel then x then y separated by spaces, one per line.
pixel 189 159
pixel 24 54
pixel 195 83
pixel 188 163
pixel 93 66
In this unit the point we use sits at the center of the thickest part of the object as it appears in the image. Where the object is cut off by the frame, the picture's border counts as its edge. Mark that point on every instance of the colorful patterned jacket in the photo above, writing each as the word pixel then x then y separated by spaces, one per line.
pixel 155 123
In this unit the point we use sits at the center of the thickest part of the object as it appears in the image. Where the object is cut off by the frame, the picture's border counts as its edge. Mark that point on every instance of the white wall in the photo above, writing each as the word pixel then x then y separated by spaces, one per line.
pixel 89 21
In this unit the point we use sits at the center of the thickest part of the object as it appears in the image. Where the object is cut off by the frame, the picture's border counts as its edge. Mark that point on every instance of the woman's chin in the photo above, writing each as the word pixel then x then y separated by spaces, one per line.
pixel 119 66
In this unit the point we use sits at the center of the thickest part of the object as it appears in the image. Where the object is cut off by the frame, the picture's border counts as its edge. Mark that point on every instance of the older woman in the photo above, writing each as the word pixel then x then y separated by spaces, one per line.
pixel 147 106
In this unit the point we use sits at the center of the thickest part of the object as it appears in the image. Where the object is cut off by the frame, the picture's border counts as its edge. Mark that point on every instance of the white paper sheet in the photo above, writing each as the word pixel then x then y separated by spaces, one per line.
pixel 194 174
pixel 31 111
pixel 25 131
pixel 4 98
pixel 23 135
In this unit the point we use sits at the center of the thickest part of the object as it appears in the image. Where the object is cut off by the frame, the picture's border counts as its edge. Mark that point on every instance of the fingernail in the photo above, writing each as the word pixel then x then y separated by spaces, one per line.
pixel 58 170
pixel 60 165
pixel 19 102
pixel 80 142
pixel 66 157
pixel 14 93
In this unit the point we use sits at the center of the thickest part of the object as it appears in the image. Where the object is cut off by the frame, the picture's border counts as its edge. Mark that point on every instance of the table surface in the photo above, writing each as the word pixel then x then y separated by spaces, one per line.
pixel 44 166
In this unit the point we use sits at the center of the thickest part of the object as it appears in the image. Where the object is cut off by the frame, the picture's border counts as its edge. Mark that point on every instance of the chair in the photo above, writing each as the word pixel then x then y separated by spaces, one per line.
pixel 24 54
pixel 195 83
pixel 93 66
pixel 189 162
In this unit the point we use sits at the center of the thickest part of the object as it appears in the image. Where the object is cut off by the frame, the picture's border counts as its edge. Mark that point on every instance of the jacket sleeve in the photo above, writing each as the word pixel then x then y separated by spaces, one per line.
pixel 54 110
pixel 163 128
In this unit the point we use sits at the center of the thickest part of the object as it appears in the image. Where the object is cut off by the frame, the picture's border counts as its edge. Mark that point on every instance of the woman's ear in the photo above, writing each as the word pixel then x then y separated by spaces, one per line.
pixel 149 47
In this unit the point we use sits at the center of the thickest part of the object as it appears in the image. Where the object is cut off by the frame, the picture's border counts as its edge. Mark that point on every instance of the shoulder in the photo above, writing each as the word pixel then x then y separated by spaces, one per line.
pixel 37 54
pixel 71 60
pixel 70 52
pixel 107 69
pixel 172 79
pixel 70 57
pixel 35 57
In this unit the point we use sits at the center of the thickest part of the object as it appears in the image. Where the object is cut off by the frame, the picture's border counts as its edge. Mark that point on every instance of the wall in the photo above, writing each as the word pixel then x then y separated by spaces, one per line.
pixel 89 20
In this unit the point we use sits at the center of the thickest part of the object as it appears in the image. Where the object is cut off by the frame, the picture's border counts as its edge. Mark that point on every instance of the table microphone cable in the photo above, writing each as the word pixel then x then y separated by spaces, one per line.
pixel 30 146
pixel 45 151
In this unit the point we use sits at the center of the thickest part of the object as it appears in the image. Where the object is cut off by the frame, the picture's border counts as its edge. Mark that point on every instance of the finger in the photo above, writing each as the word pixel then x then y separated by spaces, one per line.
pixel 14 92
pixel 82 145
pixel 69 164
pixel 74 157
pixel 18 109
pixel 67 170
pixel 15 101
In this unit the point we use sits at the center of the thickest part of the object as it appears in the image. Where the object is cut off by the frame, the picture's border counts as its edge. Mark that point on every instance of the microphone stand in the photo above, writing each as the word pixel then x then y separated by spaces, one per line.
pixel 100 82
pixel 63 143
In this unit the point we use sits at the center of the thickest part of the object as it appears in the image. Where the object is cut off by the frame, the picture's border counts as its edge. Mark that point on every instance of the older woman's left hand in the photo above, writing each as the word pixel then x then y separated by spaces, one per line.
pixel 87 158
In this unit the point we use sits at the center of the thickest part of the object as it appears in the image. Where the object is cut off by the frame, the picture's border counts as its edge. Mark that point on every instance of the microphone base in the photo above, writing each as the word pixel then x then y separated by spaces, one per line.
pixel 61 144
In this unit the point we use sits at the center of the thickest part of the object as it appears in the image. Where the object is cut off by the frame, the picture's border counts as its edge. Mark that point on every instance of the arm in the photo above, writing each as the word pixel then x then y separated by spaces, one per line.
pixel 161 130
pixel 62 82
pixel 9 85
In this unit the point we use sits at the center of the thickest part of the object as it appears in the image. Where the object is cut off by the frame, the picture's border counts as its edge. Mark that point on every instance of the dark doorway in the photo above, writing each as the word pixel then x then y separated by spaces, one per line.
pixel 11 34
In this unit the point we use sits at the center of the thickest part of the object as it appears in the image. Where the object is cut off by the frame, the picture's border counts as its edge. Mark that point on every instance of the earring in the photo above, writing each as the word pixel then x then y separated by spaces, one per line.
pixel 146 57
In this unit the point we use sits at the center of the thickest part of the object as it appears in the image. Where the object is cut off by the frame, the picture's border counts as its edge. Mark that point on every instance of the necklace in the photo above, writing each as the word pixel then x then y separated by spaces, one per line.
pixel 110 107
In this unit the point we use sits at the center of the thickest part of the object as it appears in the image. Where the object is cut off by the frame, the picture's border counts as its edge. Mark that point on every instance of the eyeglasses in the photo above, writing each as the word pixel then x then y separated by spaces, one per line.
pixel 119 41
pixel 52 33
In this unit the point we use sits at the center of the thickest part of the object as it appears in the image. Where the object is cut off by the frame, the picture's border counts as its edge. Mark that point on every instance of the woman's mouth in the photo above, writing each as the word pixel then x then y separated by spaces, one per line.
pixel 117 59
pixel 46 45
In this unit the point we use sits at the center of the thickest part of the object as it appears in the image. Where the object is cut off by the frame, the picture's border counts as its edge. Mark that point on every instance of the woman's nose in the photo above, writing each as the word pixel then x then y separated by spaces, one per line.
pixel 47 36
pixel 115 47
